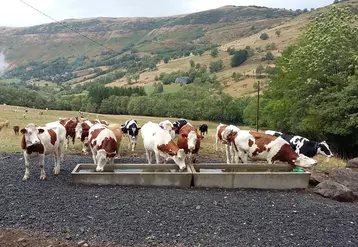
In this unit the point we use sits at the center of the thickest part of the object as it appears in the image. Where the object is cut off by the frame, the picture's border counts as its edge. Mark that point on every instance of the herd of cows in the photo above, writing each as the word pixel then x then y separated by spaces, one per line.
pixel 103 139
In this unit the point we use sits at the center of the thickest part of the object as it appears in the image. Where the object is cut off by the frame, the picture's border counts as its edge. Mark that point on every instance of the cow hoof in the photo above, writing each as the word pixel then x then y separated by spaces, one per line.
pixel 43 177
pixel 25 178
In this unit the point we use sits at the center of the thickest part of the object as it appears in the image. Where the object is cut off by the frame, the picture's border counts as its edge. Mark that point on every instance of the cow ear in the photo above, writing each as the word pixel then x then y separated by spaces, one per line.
pixel 23 131
pixel 200 137
pixel 41 131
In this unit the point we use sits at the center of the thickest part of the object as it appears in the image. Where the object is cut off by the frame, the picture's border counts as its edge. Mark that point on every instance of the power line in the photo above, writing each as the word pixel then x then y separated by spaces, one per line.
pixel 67 27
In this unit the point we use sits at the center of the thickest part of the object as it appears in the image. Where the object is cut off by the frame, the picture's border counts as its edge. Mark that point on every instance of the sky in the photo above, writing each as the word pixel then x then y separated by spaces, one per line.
pixel 17 14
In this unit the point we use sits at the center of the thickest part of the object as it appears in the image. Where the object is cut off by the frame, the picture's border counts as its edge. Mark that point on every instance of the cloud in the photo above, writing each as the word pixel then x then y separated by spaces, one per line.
pixel 16 13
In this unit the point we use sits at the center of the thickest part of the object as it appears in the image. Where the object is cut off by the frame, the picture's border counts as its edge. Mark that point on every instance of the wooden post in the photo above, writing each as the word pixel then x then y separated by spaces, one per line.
pixel 258 106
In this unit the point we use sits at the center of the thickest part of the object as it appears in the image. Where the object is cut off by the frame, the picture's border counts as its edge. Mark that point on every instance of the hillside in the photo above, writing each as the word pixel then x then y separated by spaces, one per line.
pixel 179 37
pixel 217 26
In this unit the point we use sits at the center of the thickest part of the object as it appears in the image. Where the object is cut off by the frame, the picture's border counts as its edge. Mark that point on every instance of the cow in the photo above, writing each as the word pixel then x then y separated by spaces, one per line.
pixel 218 137
pixel 131 129
pixel 178 124
pixel 41 141
pixel 103 144
pixel 70 126
pixel 158 141
pixel 101 121
pixel 230 154
pixel 7 123
pixel 16 129
pixel 203 129
pixel 273 133
pixel 168 126
pixel 189 140
pixel 2 125
pixel 309 148
pixel 263 147
pixel 41 112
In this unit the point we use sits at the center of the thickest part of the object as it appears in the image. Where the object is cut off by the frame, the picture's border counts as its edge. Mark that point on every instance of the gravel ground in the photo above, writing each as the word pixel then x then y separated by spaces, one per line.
pixel 144 216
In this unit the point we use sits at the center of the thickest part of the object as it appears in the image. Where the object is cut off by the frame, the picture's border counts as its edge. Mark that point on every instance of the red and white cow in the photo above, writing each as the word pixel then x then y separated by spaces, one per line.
pixel 82 131
pixel 230 154
pixel 41 141
pixel 103 144
pixel 263 147
pixel 218 137
pixel 70 126
pixel 158 141
pixel 189 140
pixel 168 126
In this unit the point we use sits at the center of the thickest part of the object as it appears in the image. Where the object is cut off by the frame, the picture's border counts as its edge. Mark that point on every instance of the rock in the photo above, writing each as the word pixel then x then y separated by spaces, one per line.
pixel 347 177
pixel 317 178
pixel 334 190
pixel 81 243
pixel 353 163
pixel 21 240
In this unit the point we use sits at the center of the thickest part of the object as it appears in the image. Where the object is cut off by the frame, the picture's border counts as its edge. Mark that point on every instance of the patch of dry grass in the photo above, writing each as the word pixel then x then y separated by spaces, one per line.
pixel 325 164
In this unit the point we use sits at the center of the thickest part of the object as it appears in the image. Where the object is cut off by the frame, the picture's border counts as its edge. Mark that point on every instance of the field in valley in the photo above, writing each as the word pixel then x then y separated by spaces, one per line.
pixel 9 142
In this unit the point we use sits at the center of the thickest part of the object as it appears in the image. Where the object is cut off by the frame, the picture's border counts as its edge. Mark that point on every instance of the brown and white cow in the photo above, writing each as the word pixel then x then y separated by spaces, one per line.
pixel 266 148
pixel 158 141
pixel 230 153
pixel 103 144
pixel 218 136
pixel 168 126
pixel 70 126
pixel 189 140
pixel 41 141
pixel 7 123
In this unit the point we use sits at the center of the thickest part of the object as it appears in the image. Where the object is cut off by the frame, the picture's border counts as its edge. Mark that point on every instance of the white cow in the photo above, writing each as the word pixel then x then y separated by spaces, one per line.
pixel 168 126
pixel 41 141
pixel 158 141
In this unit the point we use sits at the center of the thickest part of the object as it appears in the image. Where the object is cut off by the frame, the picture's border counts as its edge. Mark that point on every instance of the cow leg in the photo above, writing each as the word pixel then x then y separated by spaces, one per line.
pixel 149 158
pixel 27 166
pixel 129 142
pixel 157 158
pixel 94 155
pixel 42 166
pixel 227 154
pixel 56 169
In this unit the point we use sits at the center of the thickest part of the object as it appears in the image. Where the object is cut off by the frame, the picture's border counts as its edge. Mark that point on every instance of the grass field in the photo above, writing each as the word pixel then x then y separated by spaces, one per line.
pixel 9 142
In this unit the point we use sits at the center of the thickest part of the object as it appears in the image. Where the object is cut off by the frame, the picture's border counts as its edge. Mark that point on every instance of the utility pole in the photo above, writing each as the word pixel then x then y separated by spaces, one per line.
pixel 258 106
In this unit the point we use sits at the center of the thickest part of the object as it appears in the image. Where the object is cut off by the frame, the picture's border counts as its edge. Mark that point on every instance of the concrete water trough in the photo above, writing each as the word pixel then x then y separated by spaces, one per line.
pixel 133 174
pixel 257 176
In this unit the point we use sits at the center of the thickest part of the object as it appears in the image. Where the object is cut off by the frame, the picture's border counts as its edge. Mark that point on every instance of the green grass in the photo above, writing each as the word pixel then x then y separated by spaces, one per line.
pixel 11 80
pixel 171 88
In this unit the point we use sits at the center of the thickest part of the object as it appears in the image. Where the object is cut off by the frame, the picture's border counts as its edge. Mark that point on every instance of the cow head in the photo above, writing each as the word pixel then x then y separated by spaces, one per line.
pixel 304 161
pixel 324 149
pixel 78 130
pixel 30 134
pixel 179 159
pixel 86 147
pixel 133 135
pixel 192 139
pixel 102 159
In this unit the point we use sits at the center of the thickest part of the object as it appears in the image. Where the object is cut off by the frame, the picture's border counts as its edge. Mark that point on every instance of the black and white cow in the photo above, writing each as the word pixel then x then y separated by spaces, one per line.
pixel 131 129
pixel 302 145
pixel 203 129
pixel 177 125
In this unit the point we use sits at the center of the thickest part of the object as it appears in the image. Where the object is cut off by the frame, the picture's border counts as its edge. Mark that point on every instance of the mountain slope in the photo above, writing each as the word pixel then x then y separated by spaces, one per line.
pixel 218 26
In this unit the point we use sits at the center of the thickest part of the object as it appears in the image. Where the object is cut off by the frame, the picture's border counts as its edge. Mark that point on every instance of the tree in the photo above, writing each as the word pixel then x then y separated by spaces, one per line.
pixel 158 88
pixel 278 33
pixel 239 57
pixel 129 79
pixel 201 52
pixel 259 70
pixel 192 63
pixel 216 66
pixel 214 52
pixel 264 36
pixel 166 59
pixel 269 56
pixel 312 93
pixel 136 77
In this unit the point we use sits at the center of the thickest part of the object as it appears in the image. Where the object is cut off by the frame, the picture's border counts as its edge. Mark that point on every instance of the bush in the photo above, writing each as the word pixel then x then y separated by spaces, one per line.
pixel 216 66
pixel 214 52
pixel 239 57
pixel 264 36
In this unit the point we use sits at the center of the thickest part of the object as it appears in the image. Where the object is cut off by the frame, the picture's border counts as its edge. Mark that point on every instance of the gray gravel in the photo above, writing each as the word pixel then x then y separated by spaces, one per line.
pixel 144 216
